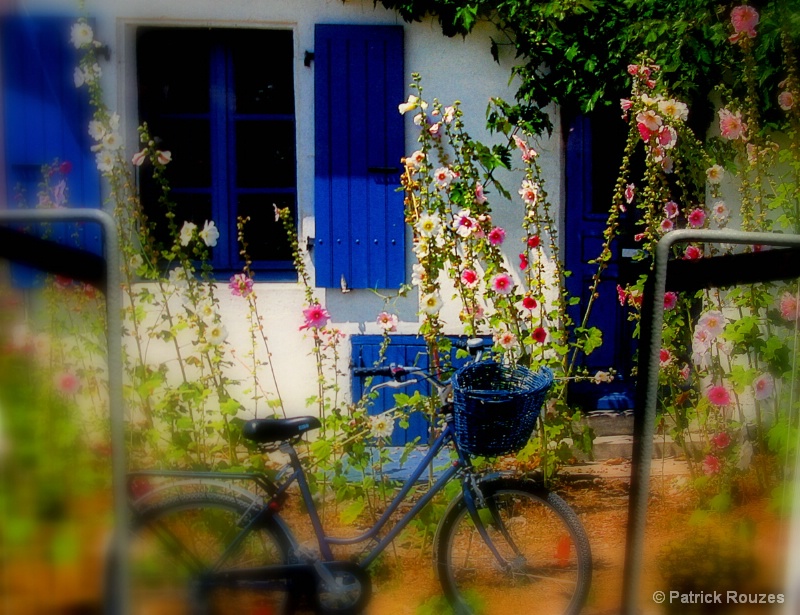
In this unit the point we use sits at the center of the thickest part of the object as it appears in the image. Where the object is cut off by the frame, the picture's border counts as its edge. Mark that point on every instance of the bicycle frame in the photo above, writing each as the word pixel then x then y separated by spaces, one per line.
pixel 325 542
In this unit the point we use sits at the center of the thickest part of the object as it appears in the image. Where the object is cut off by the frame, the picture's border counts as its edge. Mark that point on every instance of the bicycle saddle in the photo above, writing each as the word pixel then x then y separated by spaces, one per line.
pixel 275 430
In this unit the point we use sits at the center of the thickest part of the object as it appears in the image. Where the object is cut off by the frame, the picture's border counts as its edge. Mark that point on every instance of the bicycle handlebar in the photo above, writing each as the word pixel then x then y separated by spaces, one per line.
pixel 392 371
pixel 474 346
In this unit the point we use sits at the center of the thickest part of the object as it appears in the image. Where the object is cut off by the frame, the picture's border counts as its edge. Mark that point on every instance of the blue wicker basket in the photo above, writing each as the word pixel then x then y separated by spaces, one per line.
pixel 496 406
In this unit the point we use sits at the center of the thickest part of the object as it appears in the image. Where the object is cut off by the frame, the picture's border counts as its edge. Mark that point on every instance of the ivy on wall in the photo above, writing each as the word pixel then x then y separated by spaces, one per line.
pixel 574 53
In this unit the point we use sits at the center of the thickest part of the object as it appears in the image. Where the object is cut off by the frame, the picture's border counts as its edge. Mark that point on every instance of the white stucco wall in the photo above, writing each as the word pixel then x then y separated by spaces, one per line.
pixel 452 69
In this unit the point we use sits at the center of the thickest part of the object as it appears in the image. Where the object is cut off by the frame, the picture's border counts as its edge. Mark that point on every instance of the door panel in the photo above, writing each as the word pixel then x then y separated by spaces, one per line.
pixel 594 146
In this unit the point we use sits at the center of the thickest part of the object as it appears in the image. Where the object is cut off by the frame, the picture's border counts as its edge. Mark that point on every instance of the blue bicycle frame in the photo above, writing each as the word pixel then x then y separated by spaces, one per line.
pixel 326 542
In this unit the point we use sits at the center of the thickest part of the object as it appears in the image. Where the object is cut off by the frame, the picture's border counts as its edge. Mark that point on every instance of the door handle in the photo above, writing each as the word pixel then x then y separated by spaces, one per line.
pixel 384 170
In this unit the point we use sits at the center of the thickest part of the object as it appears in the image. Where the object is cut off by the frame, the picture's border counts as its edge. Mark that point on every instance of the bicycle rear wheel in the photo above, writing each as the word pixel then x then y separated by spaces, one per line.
pixel 176 542
pixel 539 536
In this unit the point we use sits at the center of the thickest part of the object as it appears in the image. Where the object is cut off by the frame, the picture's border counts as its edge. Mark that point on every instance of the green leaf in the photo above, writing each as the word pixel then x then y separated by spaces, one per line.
pixel 350 514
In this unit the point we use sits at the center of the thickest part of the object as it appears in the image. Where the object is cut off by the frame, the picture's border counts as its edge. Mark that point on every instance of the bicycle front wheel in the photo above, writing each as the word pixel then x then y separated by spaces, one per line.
pixel 178 546
pixel 546 559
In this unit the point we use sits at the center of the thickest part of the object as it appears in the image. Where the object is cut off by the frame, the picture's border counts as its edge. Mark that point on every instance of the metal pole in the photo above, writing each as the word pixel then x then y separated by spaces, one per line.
pixel 643 451
pixel 112 255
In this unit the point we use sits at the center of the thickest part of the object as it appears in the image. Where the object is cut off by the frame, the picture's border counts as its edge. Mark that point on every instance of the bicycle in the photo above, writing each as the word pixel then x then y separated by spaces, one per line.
pixel 204 544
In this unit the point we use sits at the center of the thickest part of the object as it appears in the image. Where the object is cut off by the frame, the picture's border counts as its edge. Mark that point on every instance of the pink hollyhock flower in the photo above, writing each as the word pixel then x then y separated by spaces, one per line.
pixel 664 357
pixel 496 236
pixel 644 132
pixel 685 372
pixel 697 218
pixel 528 153
pixel 629 193
pixel 719 395
pixel 720 211
pixel 529 303
pixel 523 261
pixel 533 241
pixel 667 137
pixel 666 225
pixel 539 335
pixel 464 224
pixel 638 236
pixel 670 300
pixel 692 253
pixel 443 176
pixel 241 285
pixel 713 322
pixel 506 339
pixel 788 306
pixel 786 100
pixel 633 70
pixel 763 386
pixel 163 157
pixel 671 209
pixel 529 192
pixel 502 284
pixel 622 295
pixel 480 198
pixel 67 383
pixel 469 278
pixel 65 167
pixel 650 120
pixel 711 465
pixel 416 159
pixel 731 125
pixel 316 317
pixel 139 158
pixel 625 104
pixel 721 440
pixel 387 321
pixel 744 19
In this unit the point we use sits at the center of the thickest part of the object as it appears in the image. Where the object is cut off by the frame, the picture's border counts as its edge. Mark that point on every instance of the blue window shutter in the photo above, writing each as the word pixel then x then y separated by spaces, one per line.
pixel 46 118
pixel 359 140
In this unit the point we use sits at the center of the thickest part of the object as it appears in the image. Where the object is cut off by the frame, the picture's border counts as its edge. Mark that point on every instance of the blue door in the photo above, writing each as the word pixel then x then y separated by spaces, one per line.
pixel 594 146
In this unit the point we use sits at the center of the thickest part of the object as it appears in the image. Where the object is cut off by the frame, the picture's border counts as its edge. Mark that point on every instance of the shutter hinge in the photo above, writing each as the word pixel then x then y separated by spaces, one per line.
pixel 308 58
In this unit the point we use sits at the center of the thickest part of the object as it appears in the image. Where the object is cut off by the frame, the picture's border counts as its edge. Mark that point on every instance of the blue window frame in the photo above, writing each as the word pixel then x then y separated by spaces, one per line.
pixel 222 101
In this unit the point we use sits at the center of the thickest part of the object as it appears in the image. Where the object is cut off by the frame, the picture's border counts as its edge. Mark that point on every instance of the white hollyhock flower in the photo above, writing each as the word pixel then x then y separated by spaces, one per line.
pixel 380 426
pixel 81 34
pixel 187 232
pixel 209 234
pixel 431 303
pixel 217 334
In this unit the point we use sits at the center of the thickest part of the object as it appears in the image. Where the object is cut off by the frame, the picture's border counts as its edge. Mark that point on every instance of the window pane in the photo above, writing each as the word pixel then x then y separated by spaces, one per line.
pixel 189 141
pixel 263 78
pixel 188 207
pixel 173 67
pixel 265 154
pixel 265 237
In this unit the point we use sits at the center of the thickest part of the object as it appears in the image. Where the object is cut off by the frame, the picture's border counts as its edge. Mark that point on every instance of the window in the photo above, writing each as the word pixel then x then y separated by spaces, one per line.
pixel 222 101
